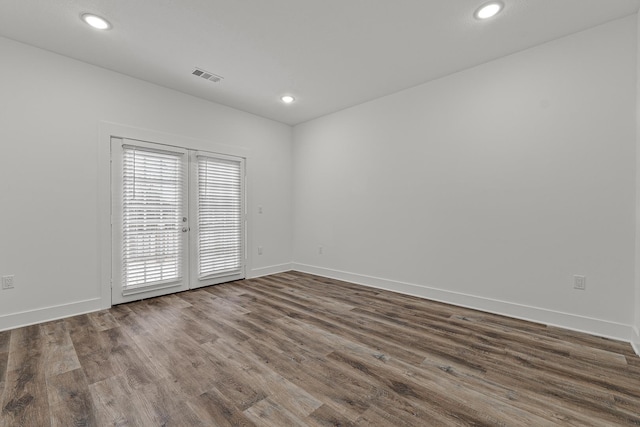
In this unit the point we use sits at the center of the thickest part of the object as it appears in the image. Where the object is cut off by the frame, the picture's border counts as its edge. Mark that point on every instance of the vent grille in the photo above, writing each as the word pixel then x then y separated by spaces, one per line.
pixel 206 75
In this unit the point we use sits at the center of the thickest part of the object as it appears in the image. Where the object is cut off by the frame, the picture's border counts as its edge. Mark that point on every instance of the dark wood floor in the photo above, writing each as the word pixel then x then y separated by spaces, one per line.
pixel 296 350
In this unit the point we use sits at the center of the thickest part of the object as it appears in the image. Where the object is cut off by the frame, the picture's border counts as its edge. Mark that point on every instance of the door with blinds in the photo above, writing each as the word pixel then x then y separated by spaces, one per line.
pixel 217 238
pixel 178 219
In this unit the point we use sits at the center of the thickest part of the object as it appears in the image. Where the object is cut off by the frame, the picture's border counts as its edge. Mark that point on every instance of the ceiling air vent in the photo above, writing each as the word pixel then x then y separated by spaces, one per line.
pixel 207 75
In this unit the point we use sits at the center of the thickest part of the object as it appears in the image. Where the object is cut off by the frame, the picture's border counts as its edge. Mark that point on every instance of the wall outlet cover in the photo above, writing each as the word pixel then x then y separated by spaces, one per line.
pixel 579 282
pixel 7 282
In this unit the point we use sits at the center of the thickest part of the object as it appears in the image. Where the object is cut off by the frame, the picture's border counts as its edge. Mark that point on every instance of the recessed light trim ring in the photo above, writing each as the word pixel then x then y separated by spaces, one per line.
pixel 95 21
pixel 489 10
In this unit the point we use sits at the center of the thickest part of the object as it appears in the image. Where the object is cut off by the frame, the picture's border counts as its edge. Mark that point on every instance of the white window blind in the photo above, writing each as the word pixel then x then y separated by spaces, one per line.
pixel 151 216
pixel 220 216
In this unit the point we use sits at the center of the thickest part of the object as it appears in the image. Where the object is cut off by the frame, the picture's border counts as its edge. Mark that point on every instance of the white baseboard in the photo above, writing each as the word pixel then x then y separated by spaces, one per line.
pixel 635 340
pixel 574 322
pixel 272 269
pixel 31 317
pixel 544 316
pixel 46 314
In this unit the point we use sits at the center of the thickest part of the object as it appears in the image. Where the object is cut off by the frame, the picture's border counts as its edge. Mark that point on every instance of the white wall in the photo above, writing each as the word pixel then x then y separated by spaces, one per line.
pixel 489 188
pixel 635 341
pixel 50 113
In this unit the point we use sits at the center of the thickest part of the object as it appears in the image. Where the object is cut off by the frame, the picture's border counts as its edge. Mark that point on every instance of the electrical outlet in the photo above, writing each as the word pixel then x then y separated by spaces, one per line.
pixel 320 250
pixel 259 250
pixel 580 282
pixel 7 282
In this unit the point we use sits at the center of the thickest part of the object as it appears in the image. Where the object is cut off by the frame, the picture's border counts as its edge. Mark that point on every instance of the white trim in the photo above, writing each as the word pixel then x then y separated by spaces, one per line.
pixel 32 317
pixel 272 269
pixel 599 327
pixel 635 340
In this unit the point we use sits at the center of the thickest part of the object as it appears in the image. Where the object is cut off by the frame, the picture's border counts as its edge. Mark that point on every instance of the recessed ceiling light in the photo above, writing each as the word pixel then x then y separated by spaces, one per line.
pixel 288 99
pixel 489 10
pixel 96 21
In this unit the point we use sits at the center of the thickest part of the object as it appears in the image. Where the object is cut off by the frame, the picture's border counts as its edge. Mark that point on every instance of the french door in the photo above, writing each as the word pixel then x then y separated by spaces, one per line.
pixel 178 219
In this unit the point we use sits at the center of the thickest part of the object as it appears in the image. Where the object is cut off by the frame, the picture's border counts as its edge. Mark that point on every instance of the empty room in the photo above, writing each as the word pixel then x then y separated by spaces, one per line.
pixel 319 213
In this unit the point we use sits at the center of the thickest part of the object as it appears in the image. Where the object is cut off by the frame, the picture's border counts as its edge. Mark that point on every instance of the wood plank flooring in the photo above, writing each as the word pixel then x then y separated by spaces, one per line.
pixel 299 350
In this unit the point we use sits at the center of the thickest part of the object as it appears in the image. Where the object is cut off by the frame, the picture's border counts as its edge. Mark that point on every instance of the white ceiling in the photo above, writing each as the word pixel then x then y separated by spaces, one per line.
pixel 329 54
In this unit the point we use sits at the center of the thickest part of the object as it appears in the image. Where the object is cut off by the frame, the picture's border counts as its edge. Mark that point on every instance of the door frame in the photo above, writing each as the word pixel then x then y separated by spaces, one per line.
pixel 107 130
